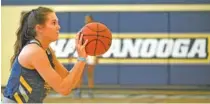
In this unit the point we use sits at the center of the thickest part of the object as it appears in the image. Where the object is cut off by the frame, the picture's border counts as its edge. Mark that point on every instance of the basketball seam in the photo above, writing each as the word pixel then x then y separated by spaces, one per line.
pixel 91 41
pixel 102 43
pixel 96 35
pixel 96 39
pixel 96 30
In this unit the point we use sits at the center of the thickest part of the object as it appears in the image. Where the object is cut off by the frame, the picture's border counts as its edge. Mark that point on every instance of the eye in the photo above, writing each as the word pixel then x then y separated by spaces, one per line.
pixel 54 23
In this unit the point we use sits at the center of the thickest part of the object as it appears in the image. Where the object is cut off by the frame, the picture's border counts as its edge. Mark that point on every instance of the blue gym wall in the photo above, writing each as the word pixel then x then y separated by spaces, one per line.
pixel 139 22
pixel 144 22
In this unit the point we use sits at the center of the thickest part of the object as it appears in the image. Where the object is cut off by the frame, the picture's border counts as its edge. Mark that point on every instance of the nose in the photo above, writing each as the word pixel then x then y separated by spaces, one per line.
pixel 59 27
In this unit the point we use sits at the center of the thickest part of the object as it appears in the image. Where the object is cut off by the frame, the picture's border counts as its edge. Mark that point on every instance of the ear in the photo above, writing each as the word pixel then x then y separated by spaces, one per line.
pixel 39 28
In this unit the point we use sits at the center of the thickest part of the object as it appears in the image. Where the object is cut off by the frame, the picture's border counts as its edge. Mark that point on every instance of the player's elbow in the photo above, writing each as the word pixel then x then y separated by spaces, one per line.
pixel 65 92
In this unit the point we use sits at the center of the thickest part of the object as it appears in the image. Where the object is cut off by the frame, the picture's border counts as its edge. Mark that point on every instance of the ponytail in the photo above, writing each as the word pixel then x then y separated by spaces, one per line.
pixel 19 43
pixel 26 30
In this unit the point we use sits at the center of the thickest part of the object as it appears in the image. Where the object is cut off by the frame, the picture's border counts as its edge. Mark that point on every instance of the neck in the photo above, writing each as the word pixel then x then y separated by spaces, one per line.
pixel 44 43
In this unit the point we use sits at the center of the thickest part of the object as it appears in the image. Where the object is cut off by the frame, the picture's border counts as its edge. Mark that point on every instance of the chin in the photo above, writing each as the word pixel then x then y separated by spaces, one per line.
pixel 55 38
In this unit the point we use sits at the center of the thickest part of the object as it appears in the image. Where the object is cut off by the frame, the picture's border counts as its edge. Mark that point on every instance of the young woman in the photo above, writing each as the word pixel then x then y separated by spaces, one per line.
pixel 35 68
pixel 91 63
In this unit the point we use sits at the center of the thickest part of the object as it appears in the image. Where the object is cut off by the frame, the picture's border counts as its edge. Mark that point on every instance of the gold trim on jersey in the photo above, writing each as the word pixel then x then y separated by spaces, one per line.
pixel 23 93
pixel 25 84
pixel 17 98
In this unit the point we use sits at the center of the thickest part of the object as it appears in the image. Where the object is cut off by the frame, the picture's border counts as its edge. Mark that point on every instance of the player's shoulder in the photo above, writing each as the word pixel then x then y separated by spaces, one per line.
pixel 29 53
pixel 32 49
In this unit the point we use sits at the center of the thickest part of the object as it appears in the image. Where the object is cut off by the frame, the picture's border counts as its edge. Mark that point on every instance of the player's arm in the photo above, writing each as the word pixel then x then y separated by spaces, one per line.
pixel 40 62
pixel 60 69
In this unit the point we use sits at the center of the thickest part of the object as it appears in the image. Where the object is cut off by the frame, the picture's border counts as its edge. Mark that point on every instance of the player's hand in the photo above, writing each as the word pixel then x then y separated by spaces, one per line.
pixel 80 46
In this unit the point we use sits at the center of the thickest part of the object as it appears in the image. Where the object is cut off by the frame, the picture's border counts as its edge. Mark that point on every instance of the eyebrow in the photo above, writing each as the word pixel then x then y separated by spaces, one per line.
pixel 55 20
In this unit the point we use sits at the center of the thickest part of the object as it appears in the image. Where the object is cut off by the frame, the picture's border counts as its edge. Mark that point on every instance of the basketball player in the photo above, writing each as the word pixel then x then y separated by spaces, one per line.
pixel 35 68
pixel 91 62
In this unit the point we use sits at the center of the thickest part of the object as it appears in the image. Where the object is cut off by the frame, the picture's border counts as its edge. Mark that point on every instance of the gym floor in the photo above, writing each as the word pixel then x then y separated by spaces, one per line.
pixel 134 96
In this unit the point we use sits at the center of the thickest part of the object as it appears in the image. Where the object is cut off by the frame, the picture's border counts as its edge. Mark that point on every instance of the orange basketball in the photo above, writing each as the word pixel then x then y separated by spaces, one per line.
pixel 99 38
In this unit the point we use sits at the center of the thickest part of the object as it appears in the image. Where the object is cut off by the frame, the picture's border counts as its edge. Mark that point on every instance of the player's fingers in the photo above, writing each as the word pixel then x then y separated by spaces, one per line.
pixel 86 41
pixel 80 39
pixel 77 39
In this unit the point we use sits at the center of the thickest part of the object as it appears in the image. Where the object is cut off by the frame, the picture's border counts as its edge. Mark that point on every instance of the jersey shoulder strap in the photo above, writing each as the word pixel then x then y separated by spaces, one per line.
pixel 35 41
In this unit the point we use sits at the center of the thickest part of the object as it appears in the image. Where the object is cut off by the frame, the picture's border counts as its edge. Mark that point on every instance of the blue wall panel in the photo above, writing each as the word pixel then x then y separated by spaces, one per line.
pixel 190 74
pixel 190 22
pixel 144 74
pixel 143 22
pixel 104 74
pixel 108 18
pixel 136 22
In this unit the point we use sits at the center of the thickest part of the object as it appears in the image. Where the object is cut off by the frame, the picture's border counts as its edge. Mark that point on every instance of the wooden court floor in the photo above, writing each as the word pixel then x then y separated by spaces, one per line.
pixel 134 96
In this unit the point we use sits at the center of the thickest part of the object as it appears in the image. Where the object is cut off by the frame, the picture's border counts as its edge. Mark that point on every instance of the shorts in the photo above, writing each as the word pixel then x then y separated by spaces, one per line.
pixel 7 100
pixel 91 60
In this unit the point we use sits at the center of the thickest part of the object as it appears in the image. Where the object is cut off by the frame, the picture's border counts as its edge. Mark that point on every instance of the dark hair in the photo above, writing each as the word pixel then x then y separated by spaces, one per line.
pixel 87 17
pixel 26 30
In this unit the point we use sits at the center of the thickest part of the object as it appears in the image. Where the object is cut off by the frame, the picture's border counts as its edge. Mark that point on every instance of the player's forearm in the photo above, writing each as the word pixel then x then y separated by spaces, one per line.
pixel 61 70
pixel 78 73
pixel 72 79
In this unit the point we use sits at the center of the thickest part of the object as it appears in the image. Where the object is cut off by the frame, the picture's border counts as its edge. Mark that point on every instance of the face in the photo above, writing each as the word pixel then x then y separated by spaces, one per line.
pixel 50 30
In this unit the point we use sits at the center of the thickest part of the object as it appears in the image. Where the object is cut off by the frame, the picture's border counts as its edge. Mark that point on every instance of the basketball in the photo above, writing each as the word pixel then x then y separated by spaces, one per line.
pixel 99 38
